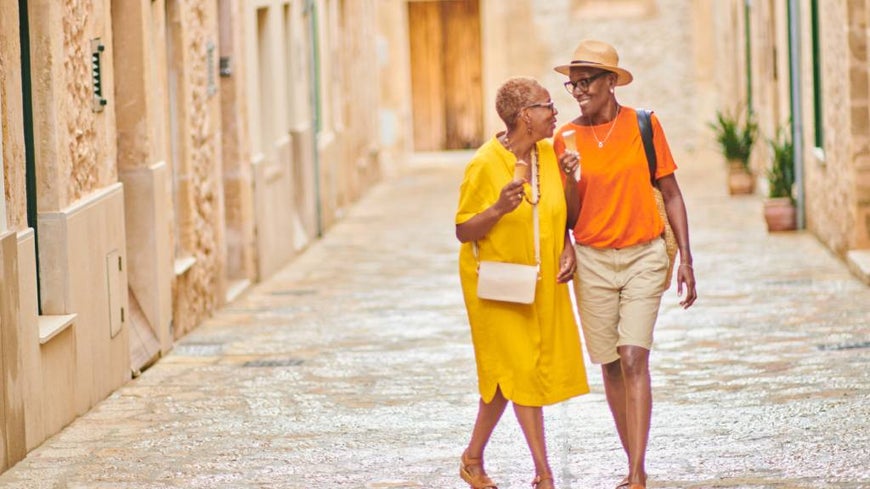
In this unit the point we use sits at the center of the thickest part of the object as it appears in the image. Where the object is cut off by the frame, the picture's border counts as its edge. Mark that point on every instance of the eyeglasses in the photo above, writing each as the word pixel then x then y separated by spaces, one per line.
pixel 544 105
pixel 583 83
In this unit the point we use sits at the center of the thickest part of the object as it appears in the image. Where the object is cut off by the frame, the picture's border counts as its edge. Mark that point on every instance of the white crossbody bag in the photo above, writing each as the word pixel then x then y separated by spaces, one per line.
pixel 512 282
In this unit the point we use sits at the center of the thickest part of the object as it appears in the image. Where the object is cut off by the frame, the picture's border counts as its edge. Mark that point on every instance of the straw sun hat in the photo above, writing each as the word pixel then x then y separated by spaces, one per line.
pixel 597 54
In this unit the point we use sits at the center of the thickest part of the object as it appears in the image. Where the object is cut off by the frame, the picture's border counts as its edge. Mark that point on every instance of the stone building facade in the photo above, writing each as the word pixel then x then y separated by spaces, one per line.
pixel 830 86
pixel 158 157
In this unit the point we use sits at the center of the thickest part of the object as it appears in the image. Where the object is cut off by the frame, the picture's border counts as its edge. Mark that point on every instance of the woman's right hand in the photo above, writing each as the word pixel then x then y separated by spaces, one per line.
pixel 476 228
pixel 510 197
pixel 569 162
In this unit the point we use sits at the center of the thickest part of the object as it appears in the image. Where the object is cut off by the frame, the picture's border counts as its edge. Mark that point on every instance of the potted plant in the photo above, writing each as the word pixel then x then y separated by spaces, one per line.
pixel 736 138
pixel 779 208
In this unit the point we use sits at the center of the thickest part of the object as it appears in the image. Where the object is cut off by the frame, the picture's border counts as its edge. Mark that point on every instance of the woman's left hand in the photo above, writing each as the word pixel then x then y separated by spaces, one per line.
pixel 686 281
pixel 567 265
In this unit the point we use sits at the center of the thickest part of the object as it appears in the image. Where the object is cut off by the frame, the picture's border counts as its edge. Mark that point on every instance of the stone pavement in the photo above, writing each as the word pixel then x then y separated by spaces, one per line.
pixel 352 368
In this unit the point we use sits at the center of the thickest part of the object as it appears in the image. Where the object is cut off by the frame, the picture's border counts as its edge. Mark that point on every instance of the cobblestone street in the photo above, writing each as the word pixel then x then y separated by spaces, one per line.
pixel 353 368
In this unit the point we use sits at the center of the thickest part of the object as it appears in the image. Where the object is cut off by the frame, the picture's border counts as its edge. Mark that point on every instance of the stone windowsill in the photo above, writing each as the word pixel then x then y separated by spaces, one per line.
pixel 53 325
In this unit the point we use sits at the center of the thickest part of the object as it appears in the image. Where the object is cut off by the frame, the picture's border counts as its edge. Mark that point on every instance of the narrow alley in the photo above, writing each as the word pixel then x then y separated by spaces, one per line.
pixel 352 368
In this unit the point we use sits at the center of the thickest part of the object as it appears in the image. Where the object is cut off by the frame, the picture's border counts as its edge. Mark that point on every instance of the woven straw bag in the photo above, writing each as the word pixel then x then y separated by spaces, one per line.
pixel 643 121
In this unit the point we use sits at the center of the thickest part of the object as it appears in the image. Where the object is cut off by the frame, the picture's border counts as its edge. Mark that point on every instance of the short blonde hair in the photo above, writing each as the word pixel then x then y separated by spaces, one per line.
pixel 512 96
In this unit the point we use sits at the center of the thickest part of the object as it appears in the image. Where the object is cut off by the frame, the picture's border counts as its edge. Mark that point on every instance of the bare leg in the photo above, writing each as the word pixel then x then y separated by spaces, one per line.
pixel 638 408
pixel 614 390
pixel 488 416
pixel 531 420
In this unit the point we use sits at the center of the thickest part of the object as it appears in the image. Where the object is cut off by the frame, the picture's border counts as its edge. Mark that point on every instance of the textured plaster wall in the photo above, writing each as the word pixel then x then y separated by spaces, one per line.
pixel 654 39
pixel 395 119
pixel 360 102
pixel 198 292
pixel 12 118
pixel 236 146
pixel 829 190
pixel 75 146
pixel 139 78
pixel 859 72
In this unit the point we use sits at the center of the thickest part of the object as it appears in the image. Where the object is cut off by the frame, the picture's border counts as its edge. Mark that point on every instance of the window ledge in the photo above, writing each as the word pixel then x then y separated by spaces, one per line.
pixel 183 264
pixel 819 155
pixel 51 326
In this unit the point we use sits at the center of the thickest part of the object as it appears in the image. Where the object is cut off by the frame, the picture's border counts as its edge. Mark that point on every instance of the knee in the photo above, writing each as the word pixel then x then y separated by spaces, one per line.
pixel 612 371
pixel 634 362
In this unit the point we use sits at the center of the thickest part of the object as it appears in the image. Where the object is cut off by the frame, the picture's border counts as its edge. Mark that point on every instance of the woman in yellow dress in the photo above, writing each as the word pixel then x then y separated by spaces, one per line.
pixel 527 354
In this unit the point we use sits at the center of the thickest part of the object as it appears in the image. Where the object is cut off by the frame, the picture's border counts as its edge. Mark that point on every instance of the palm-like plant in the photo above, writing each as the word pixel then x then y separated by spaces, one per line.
pixel 735 136
pixel 780 175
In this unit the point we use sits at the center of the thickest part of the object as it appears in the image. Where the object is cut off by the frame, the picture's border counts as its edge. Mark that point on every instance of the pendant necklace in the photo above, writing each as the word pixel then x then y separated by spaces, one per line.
pixel 612 125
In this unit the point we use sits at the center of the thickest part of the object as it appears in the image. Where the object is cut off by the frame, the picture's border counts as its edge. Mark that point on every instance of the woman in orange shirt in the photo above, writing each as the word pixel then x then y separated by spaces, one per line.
pixel 622 263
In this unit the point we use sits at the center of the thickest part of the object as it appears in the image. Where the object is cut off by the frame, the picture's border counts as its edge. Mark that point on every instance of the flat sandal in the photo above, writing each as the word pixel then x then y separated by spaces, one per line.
pixel 541 478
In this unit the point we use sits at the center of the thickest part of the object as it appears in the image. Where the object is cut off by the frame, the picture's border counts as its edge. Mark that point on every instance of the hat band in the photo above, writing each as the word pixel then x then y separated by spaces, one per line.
pixel 584 61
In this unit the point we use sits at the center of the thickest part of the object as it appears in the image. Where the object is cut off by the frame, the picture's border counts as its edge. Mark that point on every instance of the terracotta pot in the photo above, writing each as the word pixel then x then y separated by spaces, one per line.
pixel 780 214
pixel 740 180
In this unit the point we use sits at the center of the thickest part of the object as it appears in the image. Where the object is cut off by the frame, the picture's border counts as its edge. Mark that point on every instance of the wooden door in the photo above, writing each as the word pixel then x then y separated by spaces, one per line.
pixel 446 74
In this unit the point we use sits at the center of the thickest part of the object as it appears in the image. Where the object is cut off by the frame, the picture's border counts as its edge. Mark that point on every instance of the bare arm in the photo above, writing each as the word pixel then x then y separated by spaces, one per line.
pixel 676 209
pixel 476 228
pixel 567 260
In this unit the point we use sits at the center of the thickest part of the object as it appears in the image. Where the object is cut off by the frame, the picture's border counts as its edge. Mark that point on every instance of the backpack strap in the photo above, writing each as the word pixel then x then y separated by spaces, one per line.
pixel 645 125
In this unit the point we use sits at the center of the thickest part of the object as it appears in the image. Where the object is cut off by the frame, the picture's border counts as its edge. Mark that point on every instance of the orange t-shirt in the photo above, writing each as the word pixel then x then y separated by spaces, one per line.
pixel 617 206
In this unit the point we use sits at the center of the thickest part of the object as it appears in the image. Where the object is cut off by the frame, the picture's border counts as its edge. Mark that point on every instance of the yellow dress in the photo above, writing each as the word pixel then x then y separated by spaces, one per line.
pixel 531 351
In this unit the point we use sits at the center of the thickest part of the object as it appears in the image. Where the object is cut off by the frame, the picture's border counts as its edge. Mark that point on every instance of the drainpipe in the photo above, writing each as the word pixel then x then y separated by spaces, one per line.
pixel 797 125
pixel 29 147
pixel 314 94
pixel 747 10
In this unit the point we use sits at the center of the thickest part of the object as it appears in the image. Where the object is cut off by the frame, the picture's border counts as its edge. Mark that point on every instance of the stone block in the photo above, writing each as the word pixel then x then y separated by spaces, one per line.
pixel 12 429
pixel 149 254
pixel 75 279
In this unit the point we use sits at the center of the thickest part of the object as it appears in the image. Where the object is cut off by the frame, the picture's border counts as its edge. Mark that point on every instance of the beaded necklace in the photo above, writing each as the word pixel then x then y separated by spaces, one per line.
pixel 537 175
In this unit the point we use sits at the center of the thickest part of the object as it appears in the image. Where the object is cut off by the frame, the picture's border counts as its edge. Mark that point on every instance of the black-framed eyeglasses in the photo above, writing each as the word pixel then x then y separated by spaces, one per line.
pixel 544 105
pixel 583 83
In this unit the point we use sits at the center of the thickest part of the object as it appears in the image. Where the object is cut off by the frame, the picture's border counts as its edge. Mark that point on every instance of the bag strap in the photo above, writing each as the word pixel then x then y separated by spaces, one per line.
pixel 645 124
pixel 537 200
pixel 535 218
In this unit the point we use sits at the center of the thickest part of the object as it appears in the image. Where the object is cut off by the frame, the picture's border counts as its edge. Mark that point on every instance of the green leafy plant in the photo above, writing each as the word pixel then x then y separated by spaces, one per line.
pixel 735 136
pixel 780 174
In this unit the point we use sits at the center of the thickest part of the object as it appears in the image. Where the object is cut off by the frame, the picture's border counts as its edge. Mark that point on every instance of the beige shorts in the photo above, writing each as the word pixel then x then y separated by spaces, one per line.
pixel 618 294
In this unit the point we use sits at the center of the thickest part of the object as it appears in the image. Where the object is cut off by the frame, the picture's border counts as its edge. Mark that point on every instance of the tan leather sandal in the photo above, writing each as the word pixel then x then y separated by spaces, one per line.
pixel 541 478
pixel 476 481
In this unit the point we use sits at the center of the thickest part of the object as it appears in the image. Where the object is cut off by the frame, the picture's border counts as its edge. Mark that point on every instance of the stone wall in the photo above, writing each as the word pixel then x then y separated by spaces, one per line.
pixel 75 144
pixel 11 113
pixel 655 40
pixel 859 93
pixel 198 171
pixel 835 175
